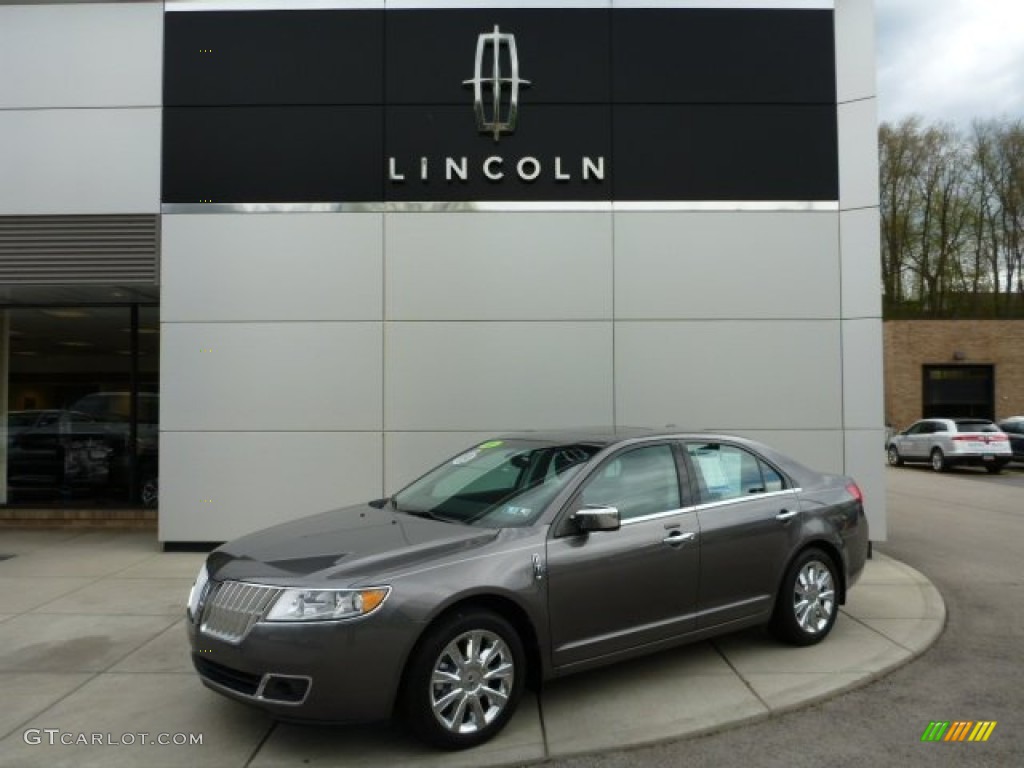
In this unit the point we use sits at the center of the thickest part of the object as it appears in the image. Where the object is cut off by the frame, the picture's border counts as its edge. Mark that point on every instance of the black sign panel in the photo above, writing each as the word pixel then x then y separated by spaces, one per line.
pixel 272 154
pixel 365 106
pixel 723 57
pixel 273 57
pixel 725 152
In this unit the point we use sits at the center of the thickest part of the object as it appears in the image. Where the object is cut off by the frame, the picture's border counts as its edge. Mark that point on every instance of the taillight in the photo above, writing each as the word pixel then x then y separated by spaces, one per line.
pixel 854 490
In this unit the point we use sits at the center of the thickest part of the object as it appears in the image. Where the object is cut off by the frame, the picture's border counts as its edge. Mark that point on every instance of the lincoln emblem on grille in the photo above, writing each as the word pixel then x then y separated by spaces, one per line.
pixel 495 84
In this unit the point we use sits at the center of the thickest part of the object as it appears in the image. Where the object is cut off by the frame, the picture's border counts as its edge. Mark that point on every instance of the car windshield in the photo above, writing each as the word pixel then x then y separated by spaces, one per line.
pixel 496 484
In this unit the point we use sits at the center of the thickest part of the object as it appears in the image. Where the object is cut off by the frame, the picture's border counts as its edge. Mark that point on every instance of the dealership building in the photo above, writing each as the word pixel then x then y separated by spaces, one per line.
pixel 296 253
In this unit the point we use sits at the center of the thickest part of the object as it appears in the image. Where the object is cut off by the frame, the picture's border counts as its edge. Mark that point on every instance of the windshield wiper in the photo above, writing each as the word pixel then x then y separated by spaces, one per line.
pixel 426 513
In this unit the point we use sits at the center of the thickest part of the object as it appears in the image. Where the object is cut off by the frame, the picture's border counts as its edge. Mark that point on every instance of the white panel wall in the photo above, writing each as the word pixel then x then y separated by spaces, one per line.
pixel 863 413
pixel 81 55
pixel 858 154
pixel 497 376
pixel 222 484
pixel 855 50
pixel 80 161
pixel 275 267
pixel 499 266
pixel 729 375
pixel 865 451
pixel 726 265
pixel 270 376
pixel 862 370
pixel 862 263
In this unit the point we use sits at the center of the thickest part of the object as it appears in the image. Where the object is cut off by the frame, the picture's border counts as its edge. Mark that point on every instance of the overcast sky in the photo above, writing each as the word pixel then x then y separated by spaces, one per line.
pixel 950 60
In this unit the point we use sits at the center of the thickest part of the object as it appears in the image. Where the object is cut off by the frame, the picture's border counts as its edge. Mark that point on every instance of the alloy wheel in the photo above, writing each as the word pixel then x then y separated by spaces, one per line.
pixel 472 681
pixel 814 597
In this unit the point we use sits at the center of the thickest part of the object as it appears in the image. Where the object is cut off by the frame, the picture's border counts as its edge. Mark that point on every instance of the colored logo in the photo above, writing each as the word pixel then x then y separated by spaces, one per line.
pixel 494 90
pixel 958 730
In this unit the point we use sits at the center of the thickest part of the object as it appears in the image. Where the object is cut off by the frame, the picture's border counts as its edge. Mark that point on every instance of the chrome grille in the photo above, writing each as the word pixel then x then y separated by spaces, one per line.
pixel 233 607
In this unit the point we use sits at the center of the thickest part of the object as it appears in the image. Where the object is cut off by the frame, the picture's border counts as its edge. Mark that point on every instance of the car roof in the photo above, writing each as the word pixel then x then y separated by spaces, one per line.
pixel 607 436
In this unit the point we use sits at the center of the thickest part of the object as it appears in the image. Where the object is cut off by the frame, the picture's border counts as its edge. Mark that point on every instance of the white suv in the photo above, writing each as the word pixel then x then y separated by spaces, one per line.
pixel 947 442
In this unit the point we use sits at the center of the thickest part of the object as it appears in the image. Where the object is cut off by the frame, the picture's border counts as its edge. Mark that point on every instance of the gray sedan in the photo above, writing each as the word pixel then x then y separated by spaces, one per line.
pixel 522 559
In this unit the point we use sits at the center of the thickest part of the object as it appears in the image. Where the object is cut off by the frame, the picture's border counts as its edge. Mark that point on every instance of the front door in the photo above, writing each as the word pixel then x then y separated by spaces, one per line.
pixel 612 591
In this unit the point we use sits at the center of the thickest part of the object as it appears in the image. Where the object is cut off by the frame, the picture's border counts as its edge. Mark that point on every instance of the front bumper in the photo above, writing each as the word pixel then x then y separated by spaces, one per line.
pixel 329 671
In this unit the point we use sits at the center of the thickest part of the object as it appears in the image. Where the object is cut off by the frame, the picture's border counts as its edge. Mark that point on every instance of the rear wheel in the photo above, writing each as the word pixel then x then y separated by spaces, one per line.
pixel 994 469
pixel 938 460
pixel 464 680
pixel 808 602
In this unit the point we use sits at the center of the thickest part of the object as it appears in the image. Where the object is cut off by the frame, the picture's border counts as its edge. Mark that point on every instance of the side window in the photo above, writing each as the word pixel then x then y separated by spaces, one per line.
pixel 727 472
pixel 638 482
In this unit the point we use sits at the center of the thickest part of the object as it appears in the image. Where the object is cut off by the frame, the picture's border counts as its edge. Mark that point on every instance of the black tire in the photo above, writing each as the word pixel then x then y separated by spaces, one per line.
pixel 939 460
pixel 149 492
pixel 808 601
pixel 994 469
pixel 893 455
pixel 457 724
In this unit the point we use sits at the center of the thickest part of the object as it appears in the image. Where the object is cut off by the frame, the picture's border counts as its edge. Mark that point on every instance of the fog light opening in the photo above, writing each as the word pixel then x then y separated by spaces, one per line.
pixel 286 689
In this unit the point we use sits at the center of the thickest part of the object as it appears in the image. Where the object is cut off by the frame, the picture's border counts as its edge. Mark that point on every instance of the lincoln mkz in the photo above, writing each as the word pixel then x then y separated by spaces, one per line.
pixel 522 559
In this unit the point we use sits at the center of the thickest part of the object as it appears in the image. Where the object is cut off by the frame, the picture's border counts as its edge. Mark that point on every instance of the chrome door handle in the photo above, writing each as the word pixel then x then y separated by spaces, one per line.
pixel 676 538
pixel 785 515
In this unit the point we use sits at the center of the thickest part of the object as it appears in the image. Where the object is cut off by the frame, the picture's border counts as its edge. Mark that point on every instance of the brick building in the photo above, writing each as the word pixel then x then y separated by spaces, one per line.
pixel 953 368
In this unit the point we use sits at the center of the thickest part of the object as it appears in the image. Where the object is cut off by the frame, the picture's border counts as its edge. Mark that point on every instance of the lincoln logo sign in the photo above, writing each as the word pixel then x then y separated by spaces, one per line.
pixel 500 93
pixel 495 82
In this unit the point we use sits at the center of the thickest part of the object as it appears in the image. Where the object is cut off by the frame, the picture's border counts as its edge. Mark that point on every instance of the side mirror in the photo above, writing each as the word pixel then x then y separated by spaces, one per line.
pixel 593 518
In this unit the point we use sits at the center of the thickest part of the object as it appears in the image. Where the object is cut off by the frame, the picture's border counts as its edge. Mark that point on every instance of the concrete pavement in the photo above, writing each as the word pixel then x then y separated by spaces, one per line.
pixel 92 648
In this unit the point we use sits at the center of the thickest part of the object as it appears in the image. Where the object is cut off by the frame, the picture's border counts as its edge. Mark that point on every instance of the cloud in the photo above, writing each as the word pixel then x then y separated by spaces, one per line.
pixel 952 60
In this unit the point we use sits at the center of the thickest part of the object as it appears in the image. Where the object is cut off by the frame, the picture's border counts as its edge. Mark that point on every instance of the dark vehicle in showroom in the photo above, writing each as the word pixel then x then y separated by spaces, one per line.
pixel 1014 429
pixel 51 449
pixel 522 559
pixel 945 443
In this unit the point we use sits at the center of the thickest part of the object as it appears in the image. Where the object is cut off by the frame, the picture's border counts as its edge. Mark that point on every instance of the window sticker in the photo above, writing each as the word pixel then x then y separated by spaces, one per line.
pixel 466 457
pixel 491 444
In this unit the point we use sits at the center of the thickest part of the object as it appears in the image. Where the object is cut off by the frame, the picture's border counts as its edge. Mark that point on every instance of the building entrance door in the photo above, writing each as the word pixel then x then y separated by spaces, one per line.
pixel 952 391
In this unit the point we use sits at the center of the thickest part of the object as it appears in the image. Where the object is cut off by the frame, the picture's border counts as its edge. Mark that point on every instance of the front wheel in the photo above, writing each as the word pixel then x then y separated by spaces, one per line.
pixel 893 454
pixel 938 460
pixel 808 602
pixel 464 680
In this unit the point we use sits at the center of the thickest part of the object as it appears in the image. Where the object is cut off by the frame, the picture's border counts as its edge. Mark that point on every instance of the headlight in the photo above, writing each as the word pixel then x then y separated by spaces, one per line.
pixel 195 595
pixel 314 604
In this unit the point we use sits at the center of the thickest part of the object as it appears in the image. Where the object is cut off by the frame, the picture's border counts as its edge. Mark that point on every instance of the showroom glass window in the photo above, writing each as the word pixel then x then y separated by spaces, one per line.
pixel 82 406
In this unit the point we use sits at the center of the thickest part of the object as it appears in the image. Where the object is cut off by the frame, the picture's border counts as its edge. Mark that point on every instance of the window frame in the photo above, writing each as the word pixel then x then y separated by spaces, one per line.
pixel 562 525
pixel 789 485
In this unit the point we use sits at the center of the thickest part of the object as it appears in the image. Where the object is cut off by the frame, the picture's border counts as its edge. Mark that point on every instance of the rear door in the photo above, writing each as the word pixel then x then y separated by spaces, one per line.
pixel 749 517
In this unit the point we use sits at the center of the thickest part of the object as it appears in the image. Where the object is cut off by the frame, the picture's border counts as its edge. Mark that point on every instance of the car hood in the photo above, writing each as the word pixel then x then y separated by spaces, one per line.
pixel 351 546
